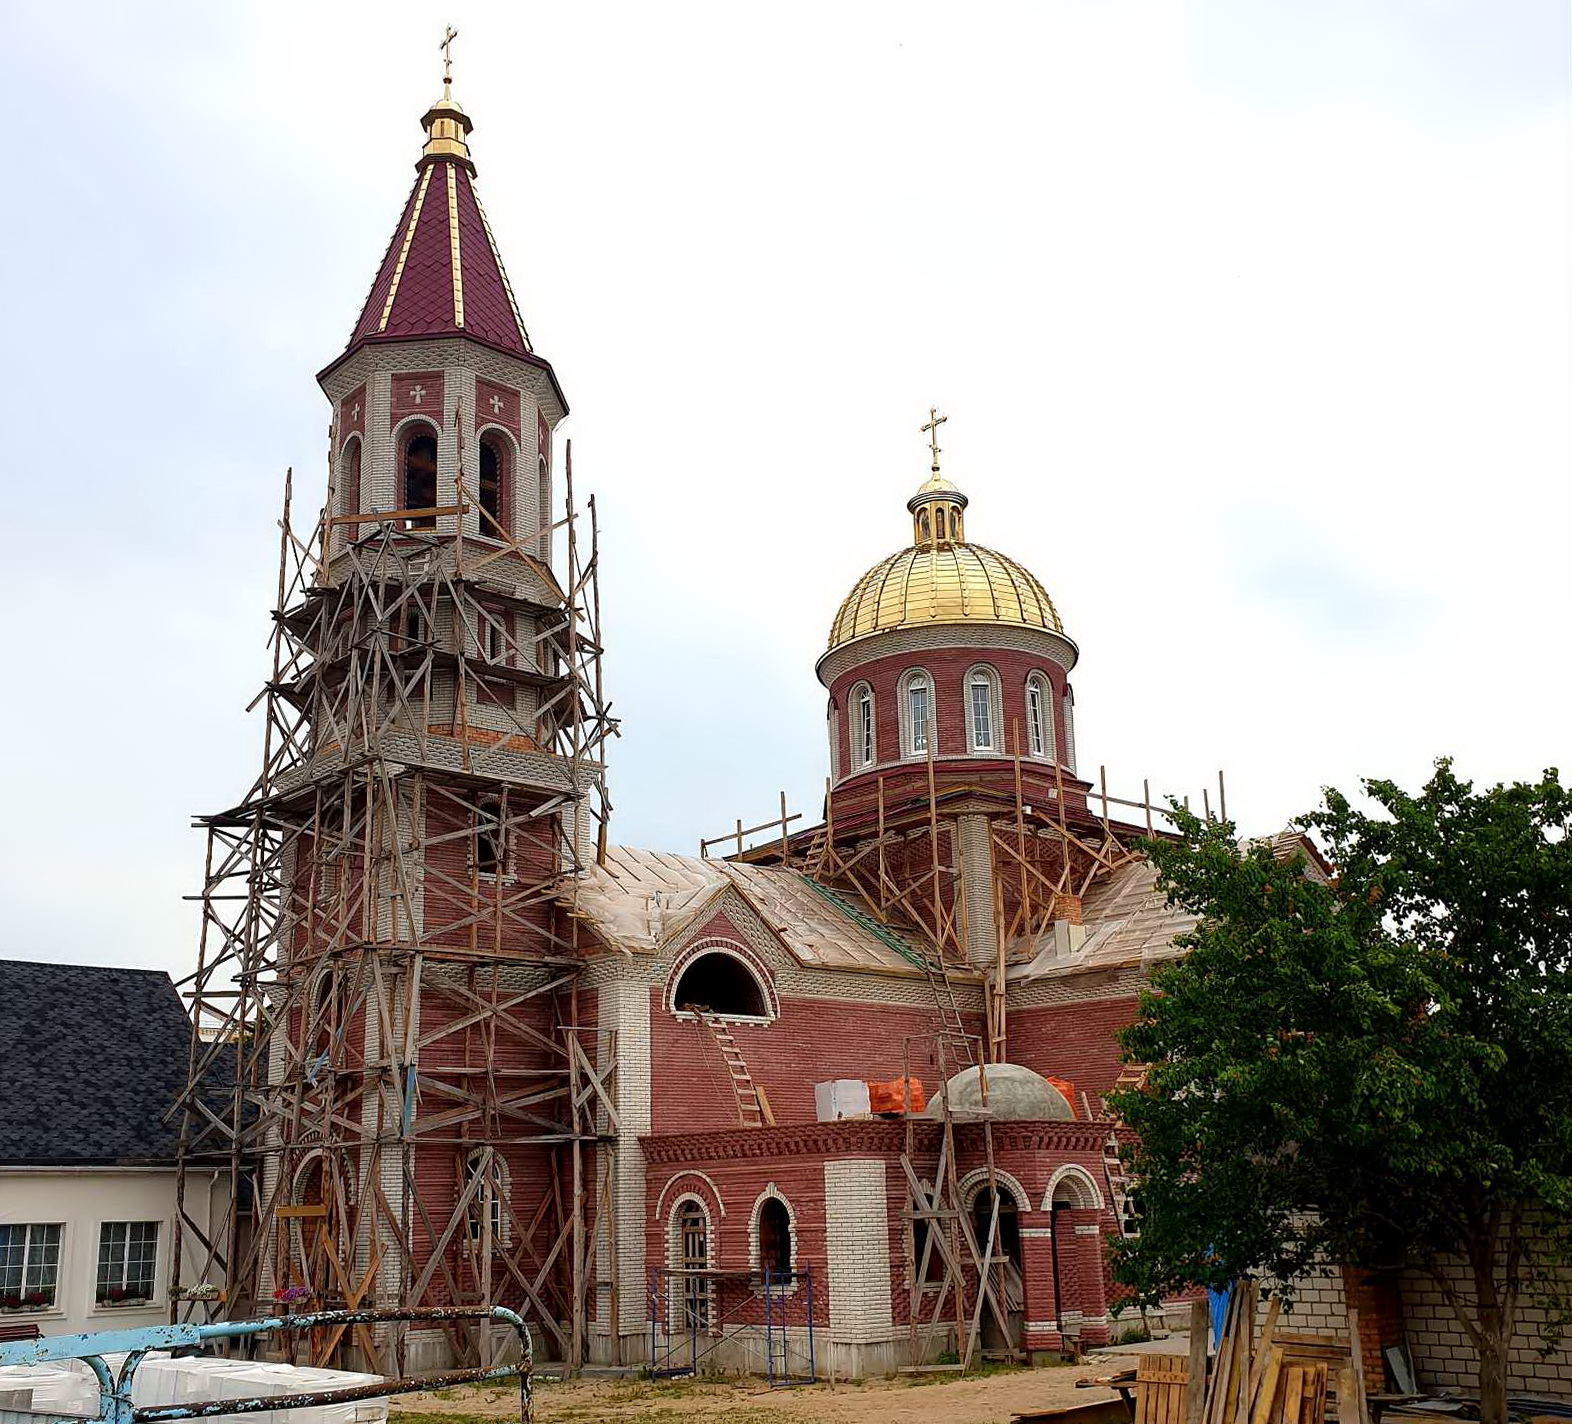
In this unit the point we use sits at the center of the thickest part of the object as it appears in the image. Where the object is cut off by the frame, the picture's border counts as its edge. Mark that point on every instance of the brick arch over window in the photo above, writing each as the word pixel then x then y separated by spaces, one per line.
pixel 772 1232
pixel 915 706
pixel 1073 1186
pixel 984 710
pixel 975 1182
pixel 349 476
pixel 419 455
pixel 737 984
pixel 496 467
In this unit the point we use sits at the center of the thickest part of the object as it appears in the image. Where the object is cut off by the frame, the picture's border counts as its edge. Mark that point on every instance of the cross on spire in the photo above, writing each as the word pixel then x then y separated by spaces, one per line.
pixel 447 61
pixel 931 430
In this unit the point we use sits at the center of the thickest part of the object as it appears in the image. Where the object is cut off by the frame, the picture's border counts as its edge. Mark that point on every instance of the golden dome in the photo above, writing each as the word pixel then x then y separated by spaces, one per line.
pixel 952 583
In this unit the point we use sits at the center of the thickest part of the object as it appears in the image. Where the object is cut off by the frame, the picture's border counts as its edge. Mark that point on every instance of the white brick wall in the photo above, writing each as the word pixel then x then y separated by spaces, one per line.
pixel 857 1244
pixel 1442 1353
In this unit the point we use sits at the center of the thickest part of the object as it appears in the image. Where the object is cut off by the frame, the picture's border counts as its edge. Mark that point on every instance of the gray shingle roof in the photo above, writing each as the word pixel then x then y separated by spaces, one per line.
pixel 90 1061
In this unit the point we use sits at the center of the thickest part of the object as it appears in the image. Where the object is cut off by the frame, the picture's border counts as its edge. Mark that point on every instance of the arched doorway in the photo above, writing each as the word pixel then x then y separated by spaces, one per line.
pixel 1008 1275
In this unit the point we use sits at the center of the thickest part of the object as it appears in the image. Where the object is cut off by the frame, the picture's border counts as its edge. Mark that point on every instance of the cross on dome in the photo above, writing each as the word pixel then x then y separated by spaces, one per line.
pixel 447 61
pixel 931 429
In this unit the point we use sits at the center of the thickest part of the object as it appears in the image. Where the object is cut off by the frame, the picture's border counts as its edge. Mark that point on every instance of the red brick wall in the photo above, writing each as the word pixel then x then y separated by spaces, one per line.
pixel 1074 1041
pixel 948 668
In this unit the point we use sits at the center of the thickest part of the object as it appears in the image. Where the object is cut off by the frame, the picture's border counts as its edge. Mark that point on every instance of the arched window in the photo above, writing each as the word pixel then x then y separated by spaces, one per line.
pixel 1069 728
pixel 916 712
pixel 349 487
pixel 982 702
pixel 833 717
pixel 774 1236
pixel 487 1173
pixel 862 725
pixel 420 474
pixel 720 983
pixel 922 520
pixel 955 527
pixel 1039 717
pixel 493 465
pixel 691 1243
pixel 491 840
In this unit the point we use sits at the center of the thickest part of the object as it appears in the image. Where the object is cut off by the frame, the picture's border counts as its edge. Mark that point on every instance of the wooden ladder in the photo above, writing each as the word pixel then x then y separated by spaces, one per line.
pixel 1119 1187
pixel 753 1108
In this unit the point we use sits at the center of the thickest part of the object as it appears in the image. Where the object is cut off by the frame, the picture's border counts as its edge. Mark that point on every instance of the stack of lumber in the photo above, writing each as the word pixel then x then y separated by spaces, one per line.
pixel 1281 1376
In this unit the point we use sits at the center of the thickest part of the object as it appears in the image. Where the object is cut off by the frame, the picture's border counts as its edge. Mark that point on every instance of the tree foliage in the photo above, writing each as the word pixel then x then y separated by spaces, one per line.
pixel 1372 1066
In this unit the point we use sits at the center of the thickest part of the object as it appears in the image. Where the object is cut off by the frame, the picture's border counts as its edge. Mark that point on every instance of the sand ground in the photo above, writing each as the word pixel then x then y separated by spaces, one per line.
pixel 988 1399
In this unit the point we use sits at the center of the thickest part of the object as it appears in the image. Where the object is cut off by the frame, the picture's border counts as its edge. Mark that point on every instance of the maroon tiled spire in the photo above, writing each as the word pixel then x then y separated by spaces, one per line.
pixel 442 274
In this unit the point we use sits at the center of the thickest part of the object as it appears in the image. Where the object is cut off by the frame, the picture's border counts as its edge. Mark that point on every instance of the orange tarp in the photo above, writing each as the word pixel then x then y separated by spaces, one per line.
pixel 891 1097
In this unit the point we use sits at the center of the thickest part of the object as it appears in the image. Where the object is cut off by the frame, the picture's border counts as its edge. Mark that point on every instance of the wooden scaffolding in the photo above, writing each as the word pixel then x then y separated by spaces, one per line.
pixel 387 1028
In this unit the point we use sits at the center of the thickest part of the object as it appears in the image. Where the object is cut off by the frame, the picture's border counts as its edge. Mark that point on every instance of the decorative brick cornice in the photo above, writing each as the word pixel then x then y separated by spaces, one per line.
pixel 822 1139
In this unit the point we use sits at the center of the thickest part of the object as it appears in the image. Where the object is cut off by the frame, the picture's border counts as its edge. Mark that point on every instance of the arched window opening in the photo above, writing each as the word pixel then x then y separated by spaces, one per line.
pixel 979 707
pixel 420 475
pixel 862 725
pixel 955 527
pixel 1008 1240
pixel 923 525
pixel 349 496
pixel 693 1256
pixel 1069 729
pixel 774 1236
pixel 491 840
pixel 491 472
pixel 486 1173
pixel 927 1262
pixel 719 984
pixel 1039 716
pixel 919 700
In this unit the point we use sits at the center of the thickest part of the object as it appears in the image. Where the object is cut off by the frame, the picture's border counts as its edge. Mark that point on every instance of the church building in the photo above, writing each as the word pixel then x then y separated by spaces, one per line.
pixel 839 1092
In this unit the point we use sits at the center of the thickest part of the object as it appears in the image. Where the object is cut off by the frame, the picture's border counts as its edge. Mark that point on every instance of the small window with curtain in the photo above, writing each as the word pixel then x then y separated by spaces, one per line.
pixel 29 1265
pixel 127 1262
pixel 980 691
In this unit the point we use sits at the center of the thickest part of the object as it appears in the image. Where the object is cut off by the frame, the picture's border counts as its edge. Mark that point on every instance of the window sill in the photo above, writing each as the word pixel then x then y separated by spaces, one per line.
pixel 115 1307
pixel 32 1312
pixel 688 1016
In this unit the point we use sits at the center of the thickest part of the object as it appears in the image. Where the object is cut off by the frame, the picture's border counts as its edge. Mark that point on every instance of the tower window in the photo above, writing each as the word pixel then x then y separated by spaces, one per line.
pixel 491 467
pixel 491 840
pixel 1039 716
pixel 862 725
pixel 979 707
pixel 420 476
pixel 544 510
pixel 486 1173
pixel 349 502
pixel 919 713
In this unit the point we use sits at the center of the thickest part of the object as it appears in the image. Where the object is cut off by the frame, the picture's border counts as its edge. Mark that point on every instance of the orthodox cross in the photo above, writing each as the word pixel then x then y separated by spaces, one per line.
pixel 931 430
pixel 447 56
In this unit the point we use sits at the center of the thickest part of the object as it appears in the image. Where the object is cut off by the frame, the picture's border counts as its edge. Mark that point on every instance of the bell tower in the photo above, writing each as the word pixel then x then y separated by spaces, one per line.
pixel 387 977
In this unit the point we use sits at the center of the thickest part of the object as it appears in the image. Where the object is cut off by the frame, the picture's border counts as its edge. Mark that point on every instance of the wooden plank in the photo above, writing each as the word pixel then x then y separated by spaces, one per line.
pixel 1270 1379
pixel 1268 1334
pixel 1356 1357
pixel 1195 1394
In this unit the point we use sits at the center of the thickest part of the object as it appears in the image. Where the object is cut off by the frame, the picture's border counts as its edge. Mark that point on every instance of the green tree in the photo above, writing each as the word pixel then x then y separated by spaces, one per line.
pixel 1372 1067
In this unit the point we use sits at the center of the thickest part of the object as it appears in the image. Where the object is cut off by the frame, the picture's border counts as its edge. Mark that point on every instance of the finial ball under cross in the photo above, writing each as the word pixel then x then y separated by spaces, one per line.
pixel 447 56
pixel 931 430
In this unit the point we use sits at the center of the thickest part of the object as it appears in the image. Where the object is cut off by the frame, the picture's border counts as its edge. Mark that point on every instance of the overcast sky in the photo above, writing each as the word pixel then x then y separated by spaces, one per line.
pixel 1251 321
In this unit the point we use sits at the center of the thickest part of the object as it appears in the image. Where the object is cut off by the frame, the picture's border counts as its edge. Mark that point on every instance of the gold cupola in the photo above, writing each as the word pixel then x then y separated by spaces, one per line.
pixel 941 579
